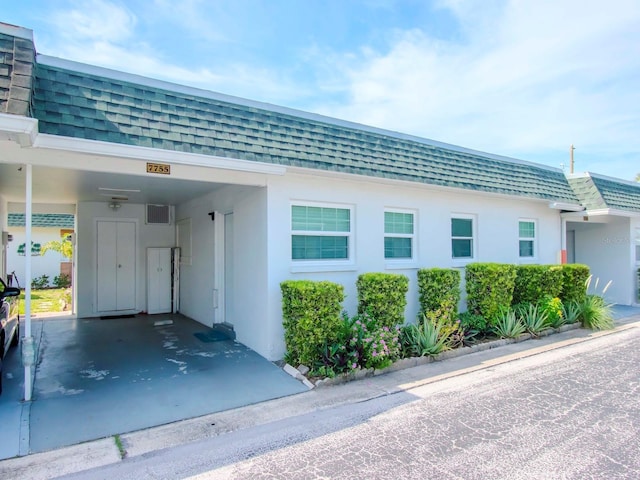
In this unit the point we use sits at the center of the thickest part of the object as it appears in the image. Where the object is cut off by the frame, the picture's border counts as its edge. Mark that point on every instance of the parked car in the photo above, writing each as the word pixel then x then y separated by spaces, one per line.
pixel 9 320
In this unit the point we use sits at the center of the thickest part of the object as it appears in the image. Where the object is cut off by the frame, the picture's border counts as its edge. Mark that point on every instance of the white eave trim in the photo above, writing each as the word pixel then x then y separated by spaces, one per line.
pixel 96 147
pixel 22 130
pixel 602 212
pixel 571 207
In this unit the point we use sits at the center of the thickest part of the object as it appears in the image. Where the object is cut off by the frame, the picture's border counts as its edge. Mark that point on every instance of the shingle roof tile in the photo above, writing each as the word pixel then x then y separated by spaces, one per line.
pixel 100 108
pixel 596 192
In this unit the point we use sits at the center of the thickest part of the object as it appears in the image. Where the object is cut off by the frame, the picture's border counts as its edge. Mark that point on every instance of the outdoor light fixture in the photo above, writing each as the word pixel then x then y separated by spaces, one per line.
pixel 114 206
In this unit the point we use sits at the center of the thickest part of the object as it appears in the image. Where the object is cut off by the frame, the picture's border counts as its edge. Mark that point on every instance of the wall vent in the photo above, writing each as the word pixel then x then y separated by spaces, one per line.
pixel 158 214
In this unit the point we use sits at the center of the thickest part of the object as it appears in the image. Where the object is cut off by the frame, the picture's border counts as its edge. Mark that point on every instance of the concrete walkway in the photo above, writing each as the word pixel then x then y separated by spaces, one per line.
pixel 97 378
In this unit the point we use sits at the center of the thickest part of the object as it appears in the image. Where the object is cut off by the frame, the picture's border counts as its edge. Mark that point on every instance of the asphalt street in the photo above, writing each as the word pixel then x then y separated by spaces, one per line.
pixel 570 413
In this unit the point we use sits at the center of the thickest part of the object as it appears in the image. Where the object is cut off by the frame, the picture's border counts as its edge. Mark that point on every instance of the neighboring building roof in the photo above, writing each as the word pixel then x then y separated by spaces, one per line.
pixel 597 192
pixel 73 103
pixel 17 59
pixel 57 220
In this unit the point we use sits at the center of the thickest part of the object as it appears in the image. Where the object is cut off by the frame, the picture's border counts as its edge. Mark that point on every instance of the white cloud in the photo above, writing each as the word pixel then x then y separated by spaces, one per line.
pixel 526 77
pixel 95 20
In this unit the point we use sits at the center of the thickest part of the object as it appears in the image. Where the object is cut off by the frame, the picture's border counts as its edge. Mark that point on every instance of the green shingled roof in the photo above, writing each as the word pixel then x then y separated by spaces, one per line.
pixel 597 193
pixel 17 58
pixel 76 104
pixel 58 220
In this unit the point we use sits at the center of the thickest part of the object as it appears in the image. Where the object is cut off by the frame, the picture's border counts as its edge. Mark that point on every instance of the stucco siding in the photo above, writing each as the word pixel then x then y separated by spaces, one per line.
pixel 496 232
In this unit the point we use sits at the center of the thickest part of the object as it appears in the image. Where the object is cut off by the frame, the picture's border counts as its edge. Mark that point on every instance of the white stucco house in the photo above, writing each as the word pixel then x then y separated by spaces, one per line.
pixel 45 228
pixel 254 194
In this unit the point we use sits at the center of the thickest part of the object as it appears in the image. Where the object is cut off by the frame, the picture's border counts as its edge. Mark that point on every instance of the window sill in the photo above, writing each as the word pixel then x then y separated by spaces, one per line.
pixel 310 268
pixel 401 265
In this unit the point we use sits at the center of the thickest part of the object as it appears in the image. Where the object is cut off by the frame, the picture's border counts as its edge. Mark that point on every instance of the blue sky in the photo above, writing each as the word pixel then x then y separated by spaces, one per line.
pixel 520 78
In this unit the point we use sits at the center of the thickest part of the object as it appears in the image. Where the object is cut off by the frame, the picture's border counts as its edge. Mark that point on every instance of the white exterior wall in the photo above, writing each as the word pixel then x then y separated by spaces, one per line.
pixel 197 277
pixel 496 234
pixel 146 235
pixel 247 289
pixel 47 264
pixel 607 249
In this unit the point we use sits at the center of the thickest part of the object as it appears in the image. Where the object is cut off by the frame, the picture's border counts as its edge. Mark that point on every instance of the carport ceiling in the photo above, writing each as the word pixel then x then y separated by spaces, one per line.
pixel 62 186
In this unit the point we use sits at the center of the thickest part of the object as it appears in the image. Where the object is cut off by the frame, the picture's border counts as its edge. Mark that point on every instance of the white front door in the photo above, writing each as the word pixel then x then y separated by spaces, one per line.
pixel 116 268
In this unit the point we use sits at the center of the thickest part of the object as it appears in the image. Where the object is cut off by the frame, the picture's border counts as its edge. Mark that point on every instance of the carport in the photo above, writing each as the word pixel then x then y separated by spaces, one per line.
pixel 96 378
pixel 108 147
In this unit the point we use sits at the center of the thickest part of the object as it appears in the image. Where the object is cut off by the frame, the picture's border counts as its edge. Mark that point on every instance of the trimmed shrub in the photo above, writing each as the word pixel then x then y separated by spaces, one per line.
pixel 489 288
pixel 535 282
pixel 574 282
pixel 311 318
pixel 383 296
pixel 439 290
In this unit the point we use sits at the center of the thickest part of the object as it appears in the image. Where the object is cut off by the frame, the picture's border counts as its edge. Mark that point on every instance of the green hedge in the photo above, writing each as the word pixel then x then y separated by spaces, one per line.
pixel 534 282
pixel 383 296
pixel 439 289
pixel 574 282
pixel 489 288
pixel 311 318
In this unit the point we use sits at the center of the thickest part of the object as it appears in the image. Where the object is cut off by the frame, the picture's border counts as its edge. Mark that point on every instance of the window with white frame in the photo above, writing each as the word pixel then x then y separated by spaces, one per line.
pixel 320 232
pixel 399 234
pixel 462 237
pixel 638 246
pixel 527 238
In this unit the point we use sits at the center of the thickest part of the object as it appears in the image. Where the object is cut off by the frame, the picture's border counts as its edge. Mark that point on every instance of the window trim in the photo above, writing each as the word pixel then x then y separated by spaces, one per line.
pixel 534 239
pixel 318 264
pixel 473 238
pixel 391 262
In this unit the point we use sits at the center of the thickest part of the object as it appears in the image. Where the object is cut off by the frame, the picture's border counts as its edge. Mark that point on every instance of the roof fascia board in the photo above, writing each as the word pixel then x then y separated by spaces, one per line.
pixel 96 147
pixel 173 87
pixel 408 184
pixel 22 130
pixel 602 212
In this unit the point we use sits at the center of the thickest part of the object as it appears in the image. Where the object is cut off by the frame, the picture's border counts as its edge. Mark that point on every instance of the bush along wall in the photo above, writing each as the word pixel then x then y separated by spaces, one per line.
pixel 383 296
pixel 439 289
pixel 311 318
pixel 574 282
pixel 489 288
pixel 535 282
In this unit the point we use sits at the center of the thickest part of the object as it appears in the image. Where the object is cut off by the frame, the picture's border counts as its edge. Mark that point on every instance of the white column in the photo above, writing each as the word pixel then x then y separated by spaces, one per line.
pixel 28 347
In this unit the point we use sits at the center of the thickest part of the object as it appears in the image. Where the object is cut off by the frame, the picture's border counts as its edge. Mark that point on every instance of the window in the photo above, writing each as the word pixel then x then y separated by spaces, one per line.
pixel 398 235
pixel 527 238
pixel 320 233
pixel 462 237
pixel 638 246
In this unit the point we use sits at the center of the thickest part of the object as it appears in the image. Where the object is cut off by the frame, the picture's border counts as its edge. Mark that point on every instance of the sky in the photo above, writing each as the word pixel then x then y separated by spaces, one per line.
pixel 520 78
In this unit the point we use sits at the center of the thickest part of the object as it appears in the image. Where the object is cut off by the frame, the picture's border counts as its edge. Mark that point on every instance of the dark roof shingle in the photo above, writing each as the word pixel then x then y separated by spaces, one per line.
pixel 82 105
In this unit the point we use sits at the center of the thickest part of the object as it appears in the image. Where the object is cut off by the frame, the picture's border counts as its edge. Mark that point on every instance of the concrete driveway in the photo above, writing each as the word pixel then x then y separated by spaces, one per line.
pixel 97 378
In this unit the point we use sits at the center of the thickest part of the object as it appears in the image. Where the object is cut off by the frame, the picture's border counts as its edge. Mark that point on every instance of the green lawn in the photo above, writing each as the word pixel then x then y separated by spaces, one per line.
pixel 48 300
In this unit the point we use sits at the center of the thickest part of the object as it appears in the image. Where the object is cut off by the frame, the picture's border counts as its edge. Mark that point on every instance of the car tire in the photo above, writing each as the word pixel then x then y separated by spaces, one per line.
pixel 16 335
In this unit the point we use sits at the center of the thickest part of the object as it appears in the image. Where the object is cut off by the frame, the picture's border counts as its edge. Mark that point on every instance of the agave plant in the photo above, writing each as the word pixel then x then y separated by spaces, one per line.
pixel 429 337
pixel 507 325
pixel 571 312
pixel 533 319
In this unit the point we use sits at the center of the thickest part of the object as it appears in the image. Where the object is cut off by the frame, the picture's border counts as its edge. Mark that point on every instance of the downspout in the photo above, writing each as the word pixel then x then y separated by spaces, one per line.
pixel 28 344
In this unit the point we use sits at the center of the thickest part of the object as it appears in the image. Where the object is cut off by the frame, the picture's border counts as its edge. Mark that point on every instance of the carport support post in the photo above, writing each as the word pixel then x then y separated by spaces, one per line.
pixel 28 346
